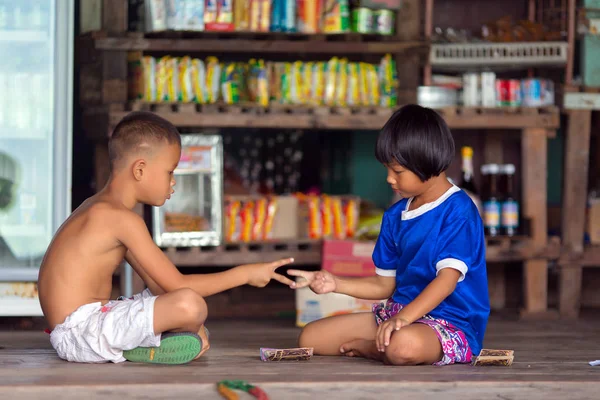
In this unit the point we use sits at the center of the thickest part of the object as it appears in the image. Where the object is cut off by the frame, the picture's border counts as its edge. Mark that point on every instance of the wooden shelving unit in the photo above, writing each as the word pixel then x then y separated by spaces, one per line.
pixel 102 61
pixel 255 43
pixel 280 116
pixel 309 252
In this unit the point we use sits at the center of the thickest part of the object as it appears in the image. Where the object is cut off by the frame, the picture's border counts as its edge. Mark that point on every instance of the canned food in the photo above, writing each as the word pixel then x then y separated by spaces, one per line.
pixel 508 92
pixel 384 22
pixel 537 92
pixel 362 20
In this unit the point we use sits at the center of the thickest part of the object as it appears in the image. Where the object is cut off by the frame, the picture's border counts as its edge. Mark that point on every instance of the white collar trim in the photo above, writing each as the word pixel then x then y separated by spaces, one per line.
pixel 427 206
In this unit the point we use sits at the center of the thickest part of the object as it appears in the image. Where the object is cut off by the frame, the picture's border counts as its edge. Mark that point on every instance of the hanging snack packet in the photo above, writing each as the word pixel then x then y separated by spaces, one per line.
pixel 271 212
pixel 186 87
pixel 198 77
pixel 342 83
pixel 213 79
pixel 331 81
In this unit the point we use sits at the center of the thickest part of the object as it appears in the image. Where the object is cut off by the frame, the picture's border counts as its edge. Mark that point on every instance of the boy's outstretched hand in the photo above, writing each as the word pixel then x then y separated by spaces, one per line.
pixel 320 282
pixel 259 275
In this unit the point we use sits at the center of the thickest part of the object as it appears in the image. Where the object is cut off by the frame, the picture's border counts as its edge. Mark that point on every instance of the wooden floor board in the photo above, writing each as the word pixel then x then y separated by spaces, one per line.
pixel 551 361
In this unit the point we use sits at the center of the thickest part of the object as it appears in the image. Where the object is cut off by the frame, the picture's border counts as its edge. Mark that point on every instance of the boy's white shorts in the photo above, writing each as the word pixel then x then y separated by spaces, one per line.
pixel 95 334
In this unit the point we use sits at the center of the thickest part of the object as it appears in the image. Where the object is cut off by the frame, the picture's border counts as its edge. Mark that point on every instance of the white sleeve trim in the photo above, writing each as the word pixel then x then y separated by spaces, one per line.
pixel 455 264
pixel 385 272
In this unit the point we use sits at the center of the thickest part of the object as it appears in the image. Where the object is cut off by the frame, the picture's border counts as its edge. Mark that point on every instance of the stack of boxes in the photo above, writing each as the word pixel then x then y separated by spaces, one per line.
pixel 346 258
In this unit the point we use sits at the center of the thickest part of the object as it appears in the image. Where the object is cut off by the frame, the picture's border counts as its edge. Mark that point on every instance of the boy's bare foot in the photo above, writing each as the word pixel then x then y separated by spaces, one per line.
pixel 362 348
pixel 203 333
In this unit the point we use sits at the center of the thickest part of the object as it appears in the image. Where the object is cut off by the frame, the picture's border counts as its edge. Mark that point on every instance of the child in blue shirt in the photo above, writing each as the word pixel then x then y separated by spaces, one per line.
pixel 429 258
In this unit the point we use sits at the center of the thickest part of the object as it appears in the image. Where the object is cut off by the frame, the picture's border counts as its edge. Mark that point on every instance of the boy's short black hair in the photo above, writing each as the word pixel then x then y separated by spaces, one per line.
pixel 418 139
pixel 137 130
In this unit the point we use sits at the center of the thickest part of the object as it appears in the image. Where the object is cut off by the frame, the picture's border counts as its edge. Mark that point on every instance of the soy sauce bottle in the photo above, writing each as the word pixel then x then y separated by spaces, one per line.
pixel 510 206
pixel 491 199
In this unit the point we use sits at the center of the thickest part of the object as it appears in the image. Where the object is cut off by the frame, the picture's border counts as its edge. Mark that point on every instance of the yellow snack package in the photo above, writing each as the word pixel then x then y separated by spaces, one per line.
pixel 247 221
pixel 198 78
pixel 363 85
pixel 339 228
pixel 172 80
pixel 260 214
pixel 351 211
pixel 186 88
pixel 326 217
pixel 331 81
pixel 271 212
pixel 232 231
pixel 352 96
pixel 318 85
pixel 162 91
pixel 213 79
pixel 373 85
pixel 342 83
pixel 241 15
pixel 307 72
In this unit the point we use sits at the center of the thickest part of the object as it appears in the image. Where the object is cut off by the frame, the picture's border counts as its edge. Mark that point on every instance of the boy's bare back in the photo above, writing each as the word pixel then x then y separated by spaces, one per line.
pixel 79 264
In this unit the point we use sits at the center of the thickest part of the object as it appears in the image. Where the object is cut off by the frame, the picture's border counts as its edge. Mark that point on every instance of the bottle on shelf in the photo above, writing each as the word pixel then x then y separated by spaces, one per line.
pixel 467 180
pixel 510 205
pixel 491 201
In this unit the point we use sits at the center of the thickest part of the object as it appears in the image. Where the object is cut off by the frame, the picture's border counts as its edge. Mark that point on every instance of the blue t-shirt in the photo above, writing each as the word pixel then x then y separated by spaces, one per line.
pixel 448 233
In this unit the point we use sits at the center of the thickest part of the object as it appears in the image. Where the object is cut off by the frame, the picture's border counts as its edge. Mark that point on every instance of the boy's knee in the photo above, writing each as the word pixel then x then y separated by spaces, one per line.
pixel 403 349
pixel 191 305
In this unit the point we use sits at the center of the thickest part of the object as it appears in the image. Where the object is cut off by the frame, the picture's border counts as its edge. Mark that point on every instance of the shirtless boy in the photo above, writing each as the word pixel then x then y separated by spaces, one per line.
pixel 158 325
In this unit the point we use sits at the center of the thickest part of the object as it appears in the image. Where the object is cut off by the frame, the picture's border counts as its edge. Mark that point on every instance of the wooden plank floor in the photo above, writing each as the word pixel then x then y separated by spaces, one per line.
pixel 551 361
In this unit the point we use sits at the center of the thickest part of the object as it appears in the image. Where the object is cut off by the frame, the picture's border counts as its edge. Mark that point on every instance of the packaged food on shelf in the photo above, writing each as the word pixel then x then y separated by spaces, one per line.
pixel 241 15
pixel 218 15
pixel 537 92
pixel 388 78
pixel 156 15
pixel 308 16
pixel 333 83
pixel 362 20
pixel 260 15
pixel 383 22
pixel 336 16
pixel 283 16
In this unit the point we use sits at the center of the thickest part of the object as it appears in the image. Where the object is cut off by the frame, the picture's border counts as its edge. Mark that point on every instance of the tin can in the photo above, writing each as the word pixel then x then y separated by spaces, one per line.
pixel 470 90
pixel 537 92
pixel 508 92
pixel 288 19
pixel 308 16
pixel 384 22
pixel 488 89
pixel 362 20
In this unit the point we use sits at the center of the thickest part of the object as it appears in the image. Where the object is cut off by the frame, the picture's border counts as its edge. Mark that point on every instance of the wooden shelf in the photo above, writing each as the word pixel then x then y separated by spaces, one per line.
pixel 299 117
pixel 309 252
pixel 255 43
pixel 589 258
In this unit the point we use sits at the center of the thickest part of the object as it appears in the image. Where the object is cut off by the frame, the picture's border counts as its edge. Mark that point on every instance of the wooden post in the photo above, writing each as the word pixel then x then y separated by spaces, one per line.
pixel 408 27
pixel 577 158
pixel 428 31
pixel 534 153
pixel 571 40
pixel 494 153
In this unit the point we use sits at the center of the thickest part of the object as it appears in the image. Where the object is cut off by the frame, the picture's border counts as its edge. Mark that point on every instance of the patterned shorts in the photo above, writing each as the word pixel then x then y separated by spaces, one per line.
pixel 454 343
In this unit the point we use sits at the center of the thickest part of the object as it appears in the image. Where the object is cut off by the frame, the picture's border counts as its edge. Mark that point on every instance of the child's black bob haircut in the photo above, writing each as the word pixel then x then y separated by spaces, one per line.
pixel 418 139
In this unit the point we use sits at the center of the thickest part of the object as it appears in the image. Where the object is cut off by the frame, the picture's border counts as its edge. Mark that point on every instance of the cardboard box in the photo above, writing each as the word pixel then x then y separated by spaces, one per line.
pixel 348 257
pixel 593 222
pixel 311 307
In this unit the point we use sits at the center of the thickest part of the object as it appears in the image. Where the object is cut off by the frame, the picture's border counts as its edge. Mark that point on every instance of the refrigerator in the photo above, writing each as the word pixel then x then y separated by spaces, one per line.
pixel 36 90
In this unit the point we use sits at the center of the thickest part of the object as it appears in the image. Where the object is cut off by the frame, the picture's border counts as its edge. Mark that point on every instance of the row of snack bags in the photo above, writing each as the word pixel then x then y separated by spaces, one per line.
pixel 333 83
pixel 252 219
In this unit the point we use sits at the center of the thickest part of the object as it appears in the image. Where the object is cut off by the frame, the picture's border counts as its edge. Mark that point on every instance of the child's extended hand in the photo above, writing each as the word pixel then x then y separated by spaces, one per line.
pixel 320 282
pixel 261 274
pixel 385 330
